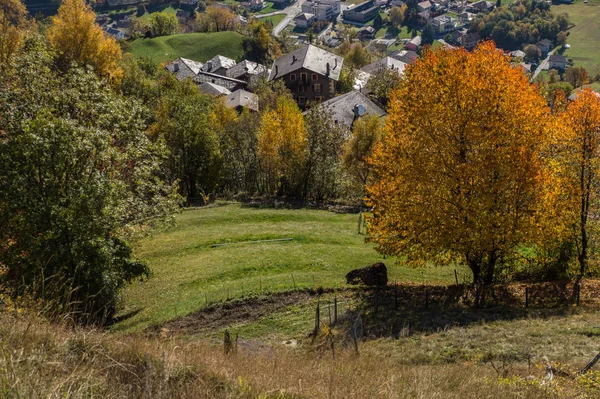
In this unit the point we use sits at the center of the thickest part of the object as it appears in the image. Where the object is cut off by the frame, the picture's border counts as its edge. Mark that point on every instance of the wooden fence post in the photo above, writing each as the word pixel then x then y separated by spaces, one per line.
pixel 318 317
pixel 456 276
pixel 578 293
pixel 335 310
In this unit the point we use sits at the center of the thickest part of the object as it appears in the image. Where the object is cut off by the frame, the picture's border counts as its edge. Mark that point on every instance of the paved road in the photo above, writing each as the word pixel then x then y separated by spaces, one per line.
pixel 291 12
pixel 544 65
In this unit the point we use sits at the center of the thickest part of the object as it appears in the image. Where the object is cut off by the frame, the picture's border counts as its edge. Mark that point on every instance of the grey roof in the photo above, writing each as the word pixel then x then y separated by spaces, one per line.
pixel 385 63
pixel 557 58
pixel 406 56
pixel 213 89
pixel 342 107
pixel 305 16
pixel 184 68
pixel 424 4
pixel 242 98
pixel 217 62
pixel 246 67
pixel 113 31
pixel 415 40
pixel 309 57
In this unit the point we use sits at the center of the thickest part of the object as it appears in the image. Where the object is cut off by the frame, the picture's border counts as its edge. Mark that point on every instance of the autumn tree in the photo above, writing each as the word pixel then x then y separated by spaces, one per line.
pixel 218 19
pixel 77 38
pixel 163 23
pixel 578 162
pixel 259 44
pixel 397 15
pixel 281 148
pixel 382 83
pixel 457 177
pixel 576 75
pixel 14 23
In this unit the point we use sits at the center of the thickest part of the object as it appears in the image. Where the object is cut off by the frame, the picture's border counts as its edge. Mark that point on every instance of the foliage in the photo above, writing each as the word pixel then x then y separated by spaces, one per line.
pixel 520 23
pixel 14 23
pixel 77 176
pixel 281 148
pixel 163 24
pixel 347 79
pixel 355 54
pixel 382 83
pixel 397 15
pixel 76 37
pixel 259 45
pixel 458 174
pixel 216 19
pixel 428 35
pixel 183 124
pixel 324 150
pixel 577 76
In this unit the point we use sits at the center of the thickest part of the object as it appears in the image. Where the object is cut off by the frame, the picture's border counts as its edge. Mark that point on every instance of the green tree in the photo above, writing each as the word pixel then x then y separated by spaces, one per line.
pixel 428 35
pixel 397 15
pixel 77 175
pixel 163 24
pixel 382 83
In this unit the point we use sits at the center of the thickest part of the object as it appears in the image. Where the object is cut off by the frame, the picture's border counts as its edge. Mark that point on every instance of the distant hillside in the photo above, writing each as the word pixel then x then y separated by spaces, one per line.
pixel 196 46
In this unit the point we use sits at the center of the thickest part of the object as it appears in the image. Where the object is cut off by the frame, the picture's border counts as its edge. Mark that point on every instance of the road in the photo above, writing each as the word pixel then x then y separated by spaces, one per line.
pixel 291 11
pixel 543 65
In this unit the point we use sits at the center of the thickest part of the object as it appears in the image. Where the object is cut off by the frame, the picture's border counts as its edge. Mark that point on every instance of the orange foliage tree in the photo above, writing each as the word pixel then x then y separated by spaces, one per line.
pixel 14 24
pixel 459 172
pixel 76 37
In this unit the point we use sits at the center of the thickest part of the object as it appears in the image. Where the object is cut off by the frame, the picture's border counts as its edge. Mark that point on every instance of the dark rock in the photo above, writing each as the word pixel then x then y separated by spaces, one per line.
pixel 375 274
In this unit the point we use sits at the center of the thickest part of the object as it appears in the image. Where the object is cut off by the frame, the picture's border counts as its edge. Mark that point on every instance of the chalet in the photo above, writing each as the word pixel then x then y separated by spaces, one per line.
pixel 413 44
pixel 241 99
pixel 304 20
pixel 184 68
pixel 247 71
pixel 213 90
pixel 557 61
pixel 310 73
pixel 366 33
pixel 362 12
pixel 349 107
pixel 481 6
pixel 218 65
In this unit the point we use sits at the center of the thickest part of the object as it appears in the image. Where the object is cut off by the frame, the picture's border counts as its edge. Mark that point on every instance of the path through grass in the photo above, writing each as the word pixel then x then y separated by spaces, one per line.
pixel 187 271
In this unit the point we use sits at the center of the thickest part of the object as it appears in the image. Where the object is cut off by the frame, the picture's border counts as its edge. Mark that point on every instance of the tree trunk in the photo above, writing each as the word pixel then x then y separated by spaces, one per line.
pixel 490 268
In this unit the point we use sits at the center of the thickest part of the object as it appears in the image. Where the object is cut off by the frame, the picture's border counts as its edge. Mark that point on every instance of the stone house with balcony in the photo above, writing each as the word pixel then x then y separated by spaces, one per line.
pixel 310 73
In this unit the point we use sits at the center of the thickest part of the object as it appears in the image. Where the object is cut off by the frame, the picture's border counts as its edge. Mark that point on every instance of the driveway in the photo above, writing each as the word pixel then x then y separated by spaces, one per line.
pixel 291 11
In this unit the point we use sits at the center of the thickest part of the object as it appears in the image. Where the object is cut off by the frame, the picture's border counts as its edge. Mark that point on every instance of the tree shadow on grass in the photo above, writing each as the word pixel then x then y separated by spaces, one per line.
pixel 403 310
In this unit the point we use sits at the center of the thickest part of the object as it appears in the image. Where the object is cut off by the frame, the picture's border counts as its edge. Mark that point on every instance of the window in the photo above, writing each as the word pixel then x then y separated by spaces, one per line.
pixel 315 77
pixel 317 87
pixel 301 89
pixel 292 76
pixel 301 100
pixel 303 77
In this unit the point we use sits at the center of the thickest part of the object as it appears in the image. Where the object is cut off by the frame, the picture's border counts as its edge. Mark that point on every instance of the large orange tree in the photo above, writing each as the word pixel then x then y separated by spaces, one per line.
pixel 458 176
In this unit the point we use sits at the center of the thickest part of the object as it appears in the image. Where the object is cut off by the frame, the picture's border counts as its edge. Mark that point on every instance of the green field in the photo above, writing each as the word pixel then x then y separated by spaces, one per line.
pixel 584 37
pixel 275 19
pixel 187 271
pixel 196 46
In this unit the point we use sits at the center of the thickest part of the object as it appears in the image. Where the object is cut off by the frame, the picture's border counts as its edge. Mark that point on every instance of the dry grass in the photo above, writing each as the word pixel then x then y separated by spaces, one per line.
pixel 39 359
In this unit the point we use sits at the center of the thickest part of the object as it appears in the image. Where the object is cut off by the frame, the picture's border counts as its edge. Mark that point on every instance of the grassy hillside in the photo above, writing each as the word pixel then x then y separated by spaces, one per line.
pixel 584 37
pixel 188 271
pixel 196 46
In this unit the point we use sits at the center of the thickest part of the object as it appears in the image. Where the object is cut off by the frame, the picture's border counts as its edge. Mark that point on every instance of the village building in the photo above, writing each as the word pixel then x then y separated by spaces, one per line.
pixel 310 73
pixel 213 90
pixel 413 44
pixel 406 56
pixel 557 61
pixel 304 20
pixel 362 12
pixel 247 71
pixel 349 107
pixel 184 68
pixel 323 10
pixel 218 65
pixel 241 99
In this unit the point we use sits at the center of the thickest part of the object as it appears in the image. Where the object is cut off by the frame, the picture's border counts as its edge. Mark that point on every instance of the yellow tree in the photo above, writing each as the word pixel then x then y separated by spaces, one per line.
pixel 578 159
pixel 76 37
pixel 281 147
pixel 14 23
pixel 458 174
pixel 366 133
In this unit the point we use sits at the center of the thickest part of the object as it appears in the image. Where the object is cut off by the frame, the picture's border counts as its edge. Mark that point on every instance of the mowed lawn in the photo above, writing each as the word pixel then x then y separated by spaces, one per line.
pixel 187 271
pixel 196 46
pixel 584 37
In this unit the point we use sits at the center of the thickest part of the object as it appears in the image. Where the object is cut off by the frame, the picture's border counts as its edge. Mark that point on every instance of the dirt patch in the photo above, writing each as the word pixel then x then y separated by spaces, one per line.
pixel 229 313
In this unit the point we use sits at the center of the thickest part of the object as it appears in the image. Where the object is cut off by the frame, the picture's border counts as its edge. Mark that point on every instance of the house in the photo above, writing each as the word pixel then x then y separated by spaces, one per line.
pixel 218 65
pixel 481 6
pixel 444 24
pixel 310 73
pixel 408 57
pixel 362 12
pixel 526 67
pixel 413 44
pixel 349 107
pixel 465 17
pixel 331 41
pixel 382 44
pixel 241 99
pixel 470 40
pixel 224 81
pixel 423 17
pixel 304 20
pixel 323 10
pixel 517 54
pixel 116 33
pixel 184 68
pixel 386 63
pixel 366 33
pixel 256 5
pixel 544 45
pixel 247 71
pixel 557 61
pixel 424 6
pixel 213 90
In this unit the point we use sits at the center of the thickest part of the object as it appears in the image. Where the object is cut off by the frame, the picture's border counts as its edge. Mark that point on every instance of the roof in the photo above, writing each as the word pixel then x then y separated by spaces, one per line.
pixel 305 16
pixel 424 4
pixel 385 63
pixel 213 89
pixel 343 107
pixel 246 67
pixel 368 29
pixel 113 31
pixel 557 58
pixel 311 58
pixel 405 56
pixel 242 98
pixel 218 62
pixel 415 40
pixel 184 67
pixel 518 54
pixel 545 42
